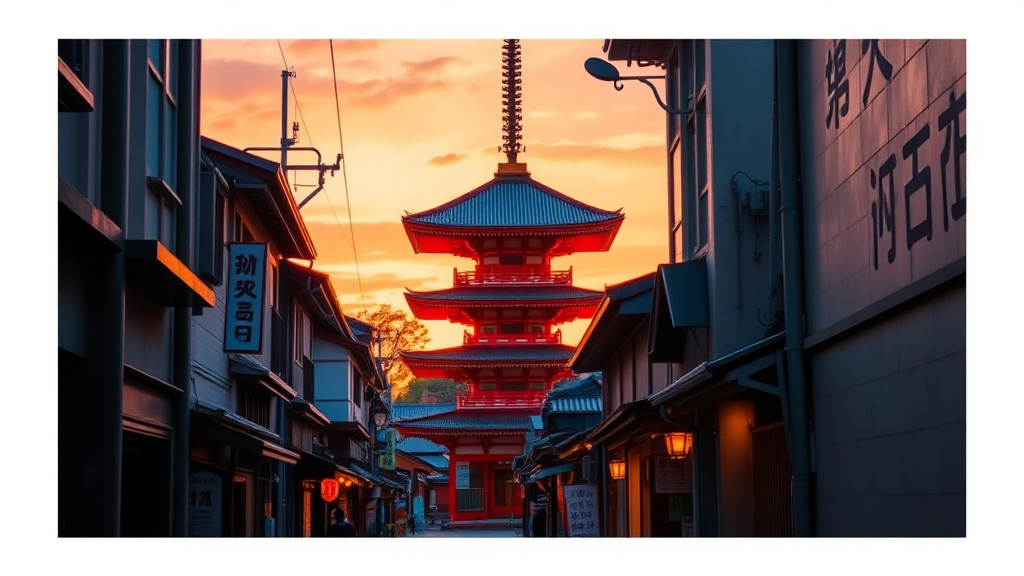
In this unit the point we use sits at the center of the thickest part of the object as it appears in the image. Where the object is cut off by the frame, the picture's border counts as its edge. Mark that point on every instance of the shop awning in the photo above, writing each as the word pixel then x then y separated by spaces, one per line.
pixel 236 431
pixel 680 301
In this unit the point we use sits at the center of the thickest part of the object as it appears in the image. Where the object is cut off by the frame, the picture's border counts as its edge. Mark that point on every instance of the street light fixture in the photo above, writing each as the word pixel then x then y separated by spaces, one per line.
pixel 617 469
pixel 679 444
pixel 607 72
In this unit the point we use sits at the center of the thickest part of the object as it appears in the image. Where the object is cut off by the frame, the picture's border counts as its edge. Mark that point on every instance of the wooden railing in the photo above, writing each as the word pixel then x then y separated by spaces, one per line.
pixel 506 274
pixel 496 399
pixel 555 338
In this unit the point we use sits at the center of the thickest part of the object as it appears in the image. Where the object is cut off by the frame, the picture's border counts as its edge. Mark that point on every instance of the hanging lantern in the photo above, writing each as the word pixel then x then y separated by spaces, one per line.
pixel 329 489
pixel 618 469
pixel 679 444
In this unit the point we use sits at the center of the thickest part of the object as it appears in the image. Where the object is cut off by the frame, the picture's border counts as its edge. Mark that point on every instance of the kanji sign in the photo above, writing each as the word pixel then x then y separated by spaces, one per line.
pixel 245 290
pixel 579 502
pixel 387 457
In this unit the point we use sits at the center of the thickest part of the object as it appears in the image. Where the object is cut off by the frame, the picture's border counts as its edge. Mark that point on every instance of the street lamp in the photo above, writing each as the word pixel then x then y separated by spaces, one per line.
pixel 679 444
pixel 617 469
pixel 607 72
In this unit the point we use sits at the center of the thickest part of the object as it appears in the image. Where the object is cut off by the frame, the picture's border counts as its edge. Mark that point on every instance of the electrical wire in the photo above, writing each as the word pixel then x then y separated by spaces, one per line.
pixel 344 173
pixel 298 108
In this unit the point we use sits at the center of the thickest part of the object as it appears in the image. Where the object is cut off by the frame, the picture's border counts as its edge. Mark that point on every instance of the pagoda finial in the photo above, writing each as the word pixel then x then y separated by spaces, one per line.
pixel 511 99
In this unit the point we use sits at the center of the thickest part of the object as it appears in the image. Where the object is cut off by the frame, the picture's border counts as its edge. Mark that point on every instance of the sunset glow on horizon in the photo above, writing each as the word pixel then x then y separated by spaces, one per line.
pixel 421 124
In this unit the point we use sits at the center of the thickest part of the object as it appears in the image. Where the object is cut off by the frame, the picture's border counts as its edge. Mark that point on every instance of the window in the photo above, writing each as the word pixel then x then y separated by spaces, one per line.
pixel 537 385
pixel 489 329
pixel 512 259
pixel 75 53
pixel 536 328
pixel 357 390
pixel 511 328
pixel 513 386
pixel 211 230
pixel 162 111
pixel 254 404
pixel 483 386
pixel 240 232
pixel 301 330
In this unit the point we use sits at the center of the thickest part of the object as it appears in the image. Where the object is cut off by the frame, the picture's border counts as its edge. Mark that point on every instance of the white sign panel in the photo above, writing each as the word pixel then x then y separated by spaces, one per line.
pixel 580 501
pixel 247 270
pixel 672 476
pixel 461 475
pixel 204 504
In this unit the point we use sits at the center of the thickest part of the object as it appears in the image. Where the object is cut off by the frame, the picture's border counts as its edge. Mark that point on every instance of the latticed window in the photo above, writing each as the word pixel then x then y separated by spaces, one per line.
pixel 254 405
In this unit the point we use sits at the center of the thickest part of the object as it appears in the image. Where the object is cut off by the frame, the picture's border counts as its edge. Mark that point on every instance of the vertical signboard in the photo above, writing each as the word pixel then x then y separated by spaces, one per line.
pixel 204 504
pixel 580 510
pixel 387 457
pixel 247 270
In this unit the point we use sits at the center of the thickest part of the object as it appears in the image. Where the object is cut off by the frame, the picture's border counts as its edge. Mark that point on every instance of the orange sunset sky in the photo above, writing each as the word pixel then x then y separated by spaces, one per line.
pixel 421 125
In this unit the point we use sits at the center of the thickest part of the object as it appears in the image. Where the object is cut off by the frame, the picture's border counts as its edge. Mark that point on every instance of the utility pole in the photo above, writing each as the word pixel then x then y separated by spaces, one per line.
pixel 289 143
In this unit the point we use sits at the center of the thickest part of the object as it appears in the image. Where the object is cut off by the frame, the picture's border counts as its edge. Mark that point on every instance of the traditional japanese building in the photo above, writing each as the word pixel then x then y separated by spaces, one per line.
pixel 512 302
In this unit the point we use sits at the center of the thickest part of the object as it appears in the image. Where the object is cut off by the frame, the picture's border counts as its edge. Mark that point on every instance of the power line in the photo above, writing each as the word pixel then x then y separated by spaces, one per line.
pixel 298 108
pixel 344 173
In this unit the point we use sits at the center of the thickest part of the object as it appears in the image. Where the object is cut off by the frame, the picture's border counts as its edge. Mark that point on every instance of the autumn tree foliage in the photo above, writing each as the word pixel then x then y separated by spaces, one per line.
pixel 395 331
pixel 432 391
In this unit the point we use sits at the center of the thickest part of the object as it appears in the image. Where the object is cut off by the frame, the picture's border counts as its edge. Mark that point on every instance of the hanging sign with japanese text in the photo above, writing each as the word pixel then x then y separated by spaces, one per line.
pixel 579 510
pixel 387 457
pixel 247 269
pixel 672 476
pixel 204 504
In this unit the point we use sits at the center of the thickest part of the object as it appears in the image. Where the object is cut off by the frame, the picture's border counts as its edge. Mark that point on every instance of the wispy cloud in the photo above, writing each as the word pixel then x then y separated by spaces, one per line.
pixel 584 115
pixel 540 114
pixel 431 66
pixel 446 159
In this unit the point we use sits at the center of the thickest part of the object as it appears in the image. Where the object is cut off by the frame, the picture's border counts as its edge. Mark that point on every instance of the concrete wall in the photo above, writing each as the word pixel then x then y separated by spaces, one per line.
pixel 889 396
pixel 740 136
pixel 890 407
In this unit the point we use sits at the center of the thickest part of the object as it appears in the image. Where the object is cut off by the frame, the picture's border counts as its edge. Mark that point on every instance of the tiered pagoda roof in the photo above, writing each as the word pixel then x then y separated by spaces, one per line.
pixel 512 204
pixel 453 303
pixel 438 363
pixel 471 421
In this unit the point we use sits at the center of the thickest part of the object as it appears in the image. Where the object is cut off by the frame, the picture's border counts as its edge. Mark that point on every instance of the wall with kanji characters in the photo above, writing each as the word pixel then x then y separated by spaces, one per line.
pixel 884 129
pixel 884 204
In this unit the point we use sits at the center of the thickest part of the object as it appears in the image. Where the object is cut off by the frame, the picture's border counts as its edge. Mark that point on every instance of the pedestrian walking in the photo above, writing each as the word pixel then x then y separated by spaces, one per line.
pixel 340 527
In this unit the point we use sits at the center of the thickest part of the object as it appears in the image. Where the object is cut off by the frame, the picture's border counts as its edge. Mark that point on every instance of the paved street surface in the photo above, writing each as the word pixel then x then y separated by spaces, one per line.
pixel 435 532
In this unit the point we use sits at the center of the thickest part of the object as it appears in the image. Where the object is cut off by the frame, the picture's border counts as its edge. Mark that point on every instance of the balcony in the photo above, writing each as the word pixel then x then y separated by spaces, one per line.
pixel 512 339
pixel 528 399
pixel 505 274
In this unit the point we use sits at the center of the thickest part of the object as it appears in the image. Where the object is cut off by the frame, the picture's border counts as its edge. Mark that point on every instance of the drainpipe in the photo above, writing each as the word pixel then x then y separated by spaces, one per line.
pixel 188 176
pixel 602 486
pixel 696 464
pixel 793 296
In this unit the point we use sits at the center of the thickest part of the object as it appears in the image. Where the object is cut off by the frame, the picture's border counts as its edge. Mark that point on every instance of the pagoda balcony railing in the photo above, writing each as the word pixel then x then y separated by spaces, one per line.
pixel 495 399
pixel 505 274
pixel 507 339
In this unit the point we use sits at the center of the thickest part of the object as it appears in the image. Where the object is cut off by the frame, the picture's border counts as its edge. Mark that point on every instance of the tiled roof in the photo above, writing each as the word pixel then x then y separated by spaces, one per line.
pixel 404 410
pixel 524 353
pixel 519 202
pixel 422 446
pixel 493 295
pixel 470 420
pixel 566 405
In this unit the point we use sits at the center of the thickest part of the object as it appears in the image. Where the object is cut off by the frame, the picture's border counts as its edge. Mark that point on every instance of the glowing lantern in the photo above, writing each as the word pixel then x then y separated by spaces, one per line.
pixel 329 489
pixel 618 469
pixel 679 444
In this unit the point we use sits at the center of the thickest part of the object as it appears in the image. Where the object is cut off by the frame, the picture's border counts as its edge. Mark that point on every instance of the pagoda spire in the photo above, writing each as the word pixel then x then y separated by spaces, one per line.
pixel 511 73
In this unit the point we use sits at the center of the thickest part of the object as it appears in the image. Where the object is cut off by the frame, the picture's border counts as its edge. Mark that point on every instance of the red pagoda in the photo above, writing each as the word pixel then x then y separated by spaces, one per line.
pixel 512 227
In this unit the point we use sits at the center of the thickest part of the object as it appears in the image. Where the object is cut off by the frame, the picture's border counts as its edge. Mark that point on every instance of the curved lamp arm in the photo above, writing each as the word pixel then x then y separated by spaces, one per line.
pixel 617 83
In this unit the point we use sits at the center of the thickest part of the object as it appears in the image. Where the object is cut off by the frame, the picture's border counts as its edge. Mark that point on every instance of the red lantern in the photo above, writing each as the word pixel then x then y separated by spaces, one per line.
pixel 329 489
